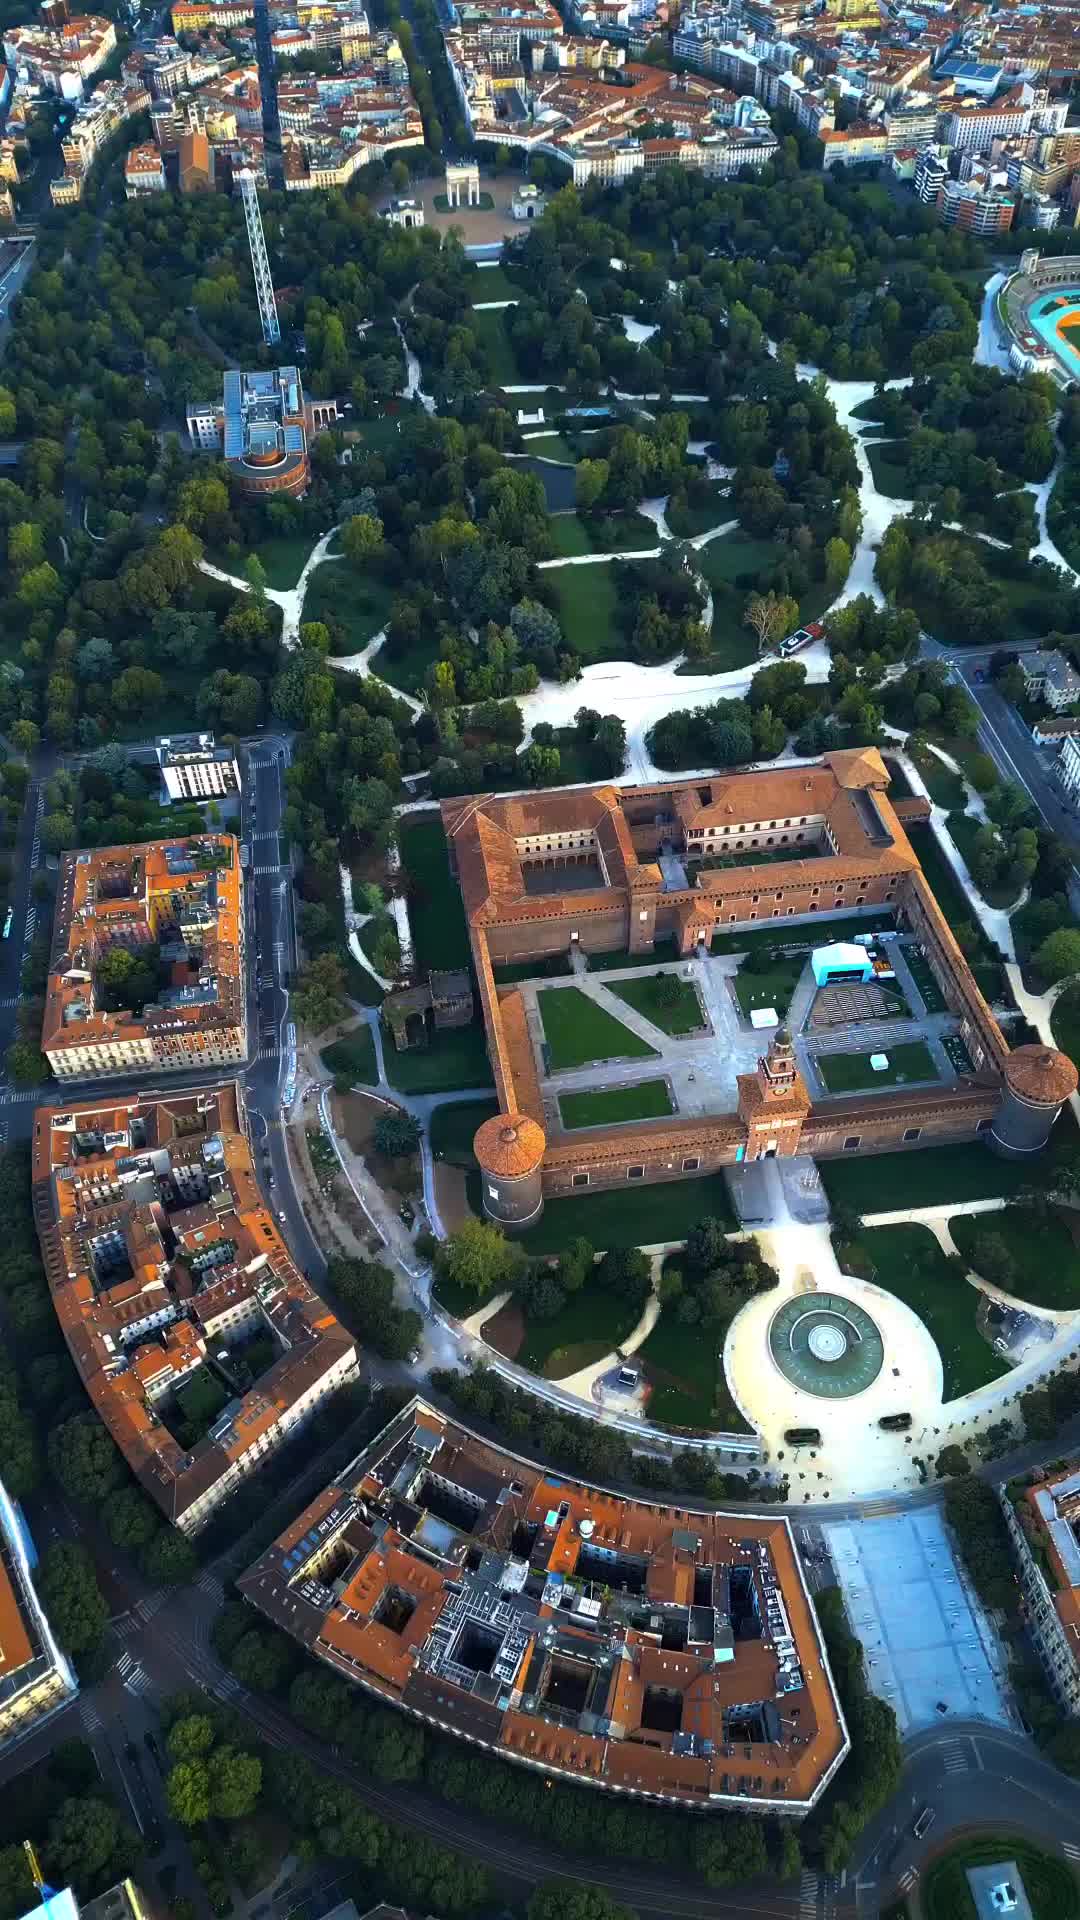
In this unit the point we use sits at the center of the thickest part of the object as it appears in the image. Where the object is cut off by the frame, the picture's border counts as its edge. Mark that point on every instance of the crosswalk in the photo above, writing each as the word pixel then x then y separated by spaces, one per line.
pixel 908 1878
pixel 132 1674
pixel 275 869
pixel 808 1896
pixel 209 1583
pixel 89 1716
pixel 956 1757
pixel 9 1096
pixel 150 1603
pixel 1071 1850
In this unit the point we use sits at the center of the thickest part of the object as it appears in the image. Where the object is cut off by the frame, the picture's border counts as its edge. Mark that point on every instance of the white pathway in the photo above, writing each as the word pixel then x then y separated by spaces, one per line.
pixel 291 601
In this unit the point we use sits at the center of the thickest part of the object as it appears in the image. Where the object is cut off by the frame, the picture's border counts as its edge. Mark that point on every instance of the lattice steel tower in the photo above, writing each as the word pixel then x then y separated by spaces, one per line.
pixel 260 265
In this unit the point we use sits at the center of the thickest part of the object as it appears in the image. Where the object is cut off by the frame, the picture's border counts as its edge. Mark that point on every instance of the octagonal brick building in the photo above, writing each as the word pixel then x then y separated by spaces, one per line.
pixel 1037 1082
pixel 510 1148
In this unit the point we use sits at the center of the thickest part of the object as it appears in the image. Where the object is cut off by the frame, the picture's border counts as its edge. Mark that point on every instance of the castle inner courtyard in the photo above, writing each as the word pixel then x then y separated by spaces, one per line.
pixel 699 1068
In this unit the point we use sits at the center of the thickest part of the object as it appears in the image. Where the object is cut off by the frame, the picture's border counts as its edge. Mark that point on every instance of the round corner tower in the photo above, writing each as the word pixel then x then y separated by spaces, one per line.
pixel 510 1149
pixel 1038 1081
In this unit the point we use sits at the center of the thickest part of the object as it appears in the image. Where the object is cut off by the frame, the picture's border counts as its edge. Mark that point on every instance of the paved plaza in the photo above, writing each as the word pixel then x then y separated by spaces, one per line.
pixel 701 1069
pixel 928 1644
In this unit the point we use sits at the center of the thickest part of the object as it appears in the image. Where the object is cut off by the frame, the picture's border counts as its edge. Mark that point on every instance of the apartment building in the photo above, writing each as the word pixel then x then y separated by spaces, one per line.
pixel 96 119
pixel 60 59
pixel 144 172
pixel 200 1344
pixel 1044 1527
pixel 1050 677
pixel 177 904
pixel 193 768
pixel 669 1655
pixel 36 1679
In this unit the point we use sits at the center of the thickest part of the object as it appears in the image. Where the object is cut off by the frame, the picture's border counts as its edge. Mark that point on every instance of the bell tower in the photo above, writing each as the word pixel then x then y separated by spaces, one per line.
pixel 774 1102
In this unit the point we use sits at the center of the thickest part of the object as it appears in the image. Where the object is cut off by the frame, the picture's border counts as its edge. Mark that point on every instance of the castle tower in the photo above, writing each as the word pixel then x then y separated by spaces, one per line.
pixel 510 1148
pixel 1038 1081
pixel 774 1102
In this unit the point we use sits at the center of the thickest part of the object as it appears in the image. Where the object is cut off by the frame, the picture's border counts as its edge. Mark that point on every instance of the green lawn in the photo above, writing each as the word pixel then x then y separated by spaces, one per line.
pixel 577 1031
pixel 601 533
pixel 963 828
pixel 1047 1262
pixel 1050 1884
pixel 374 436
pixel 852 1072
pixel 908 1262
pixel 436 913
pixel 946 788
pixel 630 1216
pixel 945 887
pixel 883 1182
pixel 805 934
pixel 407 668
pixel 899 784
pixel 282 557
pixel 685 1366
pixel 551 446
pixel 490 331
pixel 456 1058
pixel 732 565
pixel 591 1324
pixel 684 1015
pixel 494 283
pixel 1031 607
pixel 353 1056
pixel 452 1128
pixel 773 988
pixel 356 603
pixel 646 1100
pixel 585 606
pixel 890 474
pixel 1065 1023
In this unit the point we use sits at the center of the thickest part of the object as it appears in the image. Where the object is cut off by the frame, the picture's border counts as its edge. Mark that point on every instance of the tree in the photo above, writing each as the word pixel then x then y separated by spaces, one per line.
pixel 235 1781
pixel 540 765
pixel 396 1133
pixel 575 1900
pixel 230 700
pixel 591 482
pixel 192 1737
pixel 85 1838
pixel 706 1245
pixel 952 1462
pixel 319 994
pixel 84 1459
pixel 361 538
pixel 480 1259
pixel 71 1597
pixel 188 1791
pixel 1059 955
pixel 260 1661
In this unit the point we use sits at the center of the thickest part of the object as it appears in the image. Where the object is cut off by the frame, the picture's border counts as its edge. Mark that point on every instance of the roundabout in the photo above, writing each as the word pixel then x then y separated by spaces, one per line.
pixel 826 1345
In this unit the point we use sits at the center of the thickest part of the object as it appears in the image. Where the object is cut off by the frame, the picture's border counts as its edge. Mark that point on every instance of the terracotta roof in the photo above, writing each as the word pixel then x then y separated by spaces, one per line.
pixel 1041 1074
pixel 509 1144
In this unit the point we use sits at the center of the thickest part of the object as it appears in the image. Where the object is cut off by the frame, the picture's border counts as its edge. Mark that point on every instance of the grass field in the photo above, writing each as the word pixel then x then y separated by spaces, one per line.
pixel 908 1262
pixel 354 1057
pixel 890 474
pixel 457 1058
pixel 1050 1884
pixel 946 888
pixel 646 1100
pixel 771 989
pixel 686 1368
pixel 852 1072
pixel 356 602
pixel 1030 607
pixel 408 670
pixel 436 913
pixel 603 533
pixel 631 1216
pixel 814 932
pixel 494 283
pixel 591 1324
pixel 452 1127
pixel 1047 1261
pixel 1065 1023
pixel 282 557
pixel 727 565
pixel 881 1182
pixel 684 1016
pixel 946 788
pixel 963 829
pixel 577 1031
pixel 585 604
pixel 551 446
pixel 490 331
